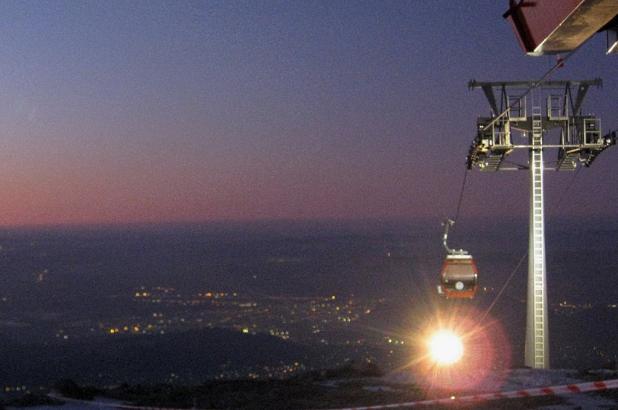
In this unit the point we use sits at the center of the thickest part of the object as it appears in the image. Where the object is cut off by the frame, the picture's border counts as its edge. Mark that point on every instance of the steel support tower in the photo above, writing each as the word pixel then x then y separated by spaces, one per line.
pixel 555 105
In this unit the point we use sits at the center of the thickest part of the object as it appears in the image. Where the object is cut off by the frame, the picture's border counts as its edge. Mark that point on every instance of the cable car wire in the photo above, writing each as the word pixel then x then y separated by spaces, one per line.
pixel 461 195
pixel 559 64
pixel 523 257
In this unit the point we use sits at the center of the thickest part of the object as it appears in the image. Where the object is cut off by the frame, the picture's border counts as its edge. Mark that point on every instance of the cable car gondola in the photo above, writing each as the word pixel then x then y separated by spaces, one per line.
pixel 459 275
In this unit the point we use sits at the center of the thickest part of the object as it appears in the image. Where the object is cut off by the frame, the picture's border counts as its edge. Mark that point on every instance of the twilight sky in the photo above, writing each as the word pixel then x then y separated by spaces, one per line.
pixel 144 111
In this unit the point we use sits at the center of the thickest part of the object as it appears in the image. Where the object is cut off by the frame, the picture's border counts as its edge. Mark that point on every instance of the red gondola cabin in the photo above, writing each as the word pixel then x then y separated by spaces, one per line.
pixel 459 277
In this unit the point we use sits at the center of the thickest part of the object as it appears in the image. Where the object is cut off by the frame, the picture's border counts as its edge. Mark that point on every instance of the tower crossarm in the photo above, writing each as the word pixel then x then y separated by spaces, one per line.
pixel 514 101
pixel 472 84
pixel 558 108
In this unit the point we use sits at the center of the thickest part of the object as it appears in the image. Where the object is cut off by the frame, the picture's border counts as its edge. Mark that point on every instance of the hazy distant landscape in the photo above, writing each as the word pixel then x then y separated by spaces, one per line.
pixel 190 303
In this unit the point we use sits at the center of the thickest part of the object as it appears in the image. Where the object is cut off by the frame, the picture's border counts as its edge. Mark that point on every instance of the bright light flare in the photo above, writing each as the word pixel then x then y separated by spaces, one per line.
pixel 445 348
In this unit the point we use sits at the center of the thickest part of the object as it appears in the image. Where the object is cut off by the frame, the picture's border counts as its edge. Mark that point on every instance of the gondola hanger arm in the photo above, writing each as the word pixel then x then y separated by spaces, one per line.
pixel 447 224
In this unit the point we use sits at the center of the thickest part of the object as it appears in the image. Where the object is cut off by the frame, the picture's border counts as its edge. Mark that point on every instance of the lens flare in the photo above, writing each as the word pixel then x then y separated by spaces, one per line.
pixel 445 348
pixel 458 347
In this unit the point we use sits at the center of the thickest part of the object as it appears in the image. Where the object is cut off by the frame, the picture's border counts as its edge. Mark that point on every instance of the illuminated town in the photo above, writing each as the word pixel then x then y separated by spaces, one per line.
pixel 337 321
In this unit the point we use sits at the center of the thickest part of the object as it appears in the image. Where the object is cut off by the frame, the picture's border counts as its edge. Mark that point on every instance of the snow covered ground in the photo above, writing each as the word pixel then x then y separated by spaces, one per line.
pixel 503 381
pixel 63 407
pixel 98 403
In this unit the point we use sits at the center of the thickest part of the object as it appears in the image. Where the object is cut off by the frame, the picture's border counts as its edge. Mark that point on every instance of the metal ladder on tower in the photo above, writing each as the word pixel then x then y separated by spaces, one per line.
pixel 538 244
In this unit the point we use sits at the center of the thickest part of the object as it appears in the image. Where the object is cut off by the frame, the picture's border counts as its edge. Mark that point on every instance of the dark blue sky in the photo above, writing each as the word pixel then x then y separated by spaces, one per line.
pixel 167 111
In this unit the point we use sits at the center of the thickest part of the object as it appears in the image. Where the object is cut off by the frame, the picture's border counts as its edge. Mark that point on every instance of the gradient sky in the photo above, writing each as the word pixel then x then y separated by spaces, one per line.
pixel 144 111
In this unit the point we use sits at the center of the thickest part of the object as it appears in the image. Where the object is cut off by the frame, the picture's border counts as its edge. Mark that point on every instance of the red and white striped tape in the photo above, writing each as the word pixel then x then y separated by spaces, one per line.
pixel 514 394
